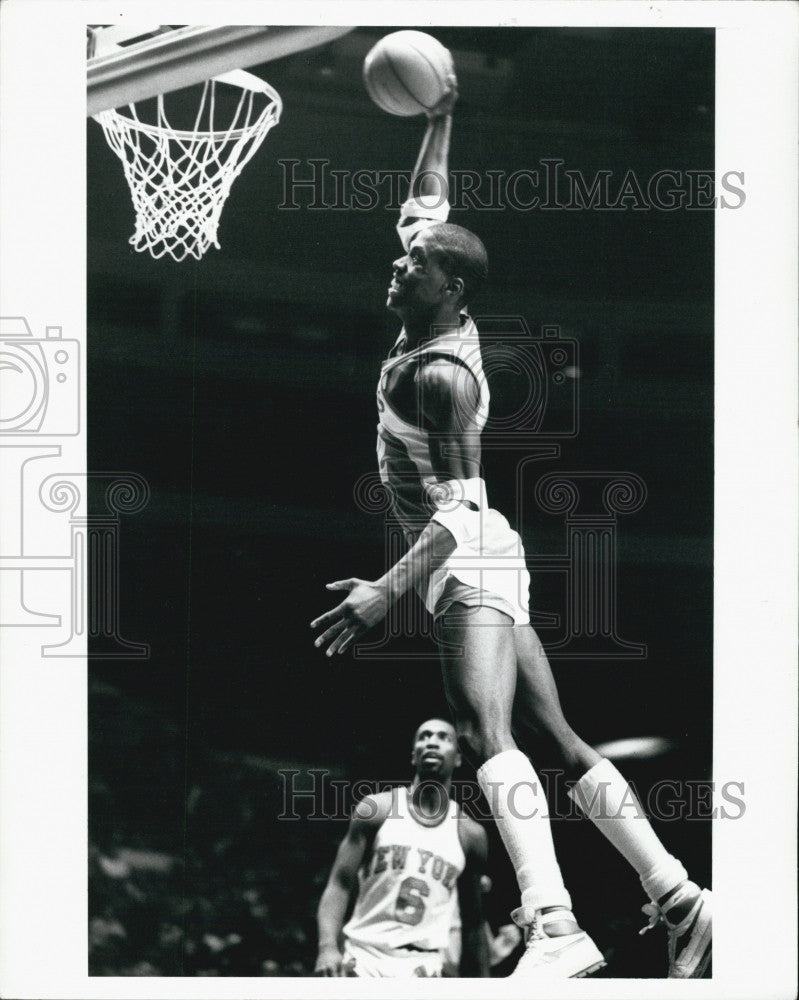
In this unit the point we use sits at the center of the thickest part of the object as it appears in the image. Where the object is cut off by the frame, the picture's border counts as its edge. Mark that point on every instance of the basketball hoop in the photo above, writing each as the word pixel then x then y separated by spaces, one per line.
pixel 180 179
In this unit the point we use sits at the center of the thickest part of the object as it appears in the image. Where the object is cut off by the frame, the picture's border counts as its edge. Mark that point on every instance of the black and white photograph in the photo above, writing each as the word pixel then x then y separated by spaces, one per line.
pixel 399 489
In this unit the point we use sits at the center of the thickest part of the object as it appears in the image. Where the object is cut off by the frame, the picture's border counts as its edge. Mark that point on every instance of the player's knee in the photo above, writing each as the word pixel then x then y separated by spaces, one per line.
pixel 571 754
pixel 552 742
pixel 478 741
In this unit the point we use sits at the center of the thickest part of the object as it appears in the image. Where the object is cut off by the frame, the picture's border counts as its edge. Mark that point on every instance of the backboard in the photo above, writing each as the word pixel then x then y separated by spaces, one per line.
pixel 180 174
pixel 136 62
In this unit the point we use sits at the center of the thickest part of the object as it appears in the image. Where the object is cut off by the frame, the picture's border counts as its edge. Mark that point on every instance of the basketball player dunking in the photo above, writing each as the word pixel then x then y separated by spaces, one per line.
pixel 468 566
pixel 413 858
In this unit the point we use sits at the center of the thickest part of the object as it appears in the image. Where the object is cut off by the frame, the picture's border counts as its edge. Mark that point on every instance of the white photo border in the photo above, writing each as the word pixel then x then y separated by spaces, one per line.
pixel 43 744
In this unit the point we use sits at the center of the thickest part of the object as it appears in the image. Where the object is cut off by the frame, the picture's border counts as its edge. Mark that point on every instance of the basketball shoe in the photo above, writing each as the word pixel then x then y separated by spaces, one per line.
pixel 567 956
pixel 691 939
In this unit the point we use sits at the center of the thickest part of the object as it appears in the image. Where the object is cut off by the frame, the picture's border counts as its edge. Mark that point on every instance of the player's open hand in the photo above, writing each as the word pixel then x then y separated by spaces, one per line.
pixel 447 102
pixel 365 605
pixel 329 962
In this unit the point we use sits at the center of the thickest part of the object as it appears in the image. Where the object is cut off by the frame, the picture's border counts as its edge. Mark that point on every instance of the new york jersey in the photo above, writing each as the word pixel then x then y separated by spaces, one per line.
pixel 408 886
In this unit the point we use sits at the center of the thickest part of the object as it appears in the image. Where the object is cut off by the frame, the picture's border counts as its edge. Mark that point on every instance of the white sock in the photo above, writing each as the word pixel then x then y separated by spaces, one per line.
pixel 519 807
pixel 610 803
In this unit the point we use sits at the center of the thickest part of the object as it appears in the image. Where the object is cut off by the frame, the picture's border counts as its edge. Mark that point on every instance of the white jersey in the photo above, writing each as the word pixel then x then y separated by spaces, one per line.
pixel 493 563
pixel 404 455
pixel 407 887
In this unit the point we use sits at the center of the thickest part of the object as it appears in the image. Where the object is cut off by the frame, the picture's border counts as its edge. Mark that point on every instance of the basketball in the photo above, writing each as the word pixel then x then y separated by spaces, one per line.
pixel 406 72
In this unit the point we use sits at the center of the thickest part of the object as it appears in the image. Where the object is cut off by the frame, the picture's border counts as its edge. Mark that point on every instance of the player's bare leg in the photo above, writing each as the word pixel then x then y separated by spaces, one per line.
pixel 606 798
pixel 538 720
pixel 478 656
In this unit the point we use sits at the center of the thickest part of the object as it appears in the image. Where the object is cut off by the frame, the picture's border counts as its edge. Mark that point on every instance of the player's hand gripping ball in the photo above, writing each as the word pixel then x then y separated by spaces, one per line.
pixel 408 73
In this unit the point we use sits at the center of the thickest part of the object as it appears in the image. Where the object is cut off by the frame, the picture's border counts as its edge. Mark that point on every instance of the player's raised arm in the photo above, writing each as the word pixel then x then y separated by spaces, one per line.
pixel 428 192
pixel 432 164
pixel 342 883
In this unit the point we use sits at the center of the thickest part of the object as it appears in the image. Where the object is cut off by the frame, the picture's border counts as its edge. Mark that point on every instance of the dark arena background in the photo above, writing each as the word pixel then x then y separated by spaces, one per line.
pixel 241 389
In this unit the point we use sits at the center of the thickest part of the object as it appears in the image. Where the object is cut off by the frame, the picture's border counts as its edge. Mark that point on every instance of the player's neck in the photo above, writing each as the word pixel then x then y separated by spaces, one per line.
pixel 429 798
pixel 419 328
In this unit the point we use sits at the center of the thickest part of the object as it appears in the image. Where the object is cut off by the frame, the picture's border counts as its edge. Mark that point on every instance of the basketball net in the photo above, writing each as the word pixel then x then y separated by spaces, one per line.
pixel 179 180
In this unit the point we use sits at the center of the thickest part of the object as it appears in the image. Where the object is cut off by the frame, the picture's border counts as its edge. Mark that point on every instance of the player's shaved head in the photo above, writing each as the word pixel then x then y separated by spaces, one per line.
pixel 462 255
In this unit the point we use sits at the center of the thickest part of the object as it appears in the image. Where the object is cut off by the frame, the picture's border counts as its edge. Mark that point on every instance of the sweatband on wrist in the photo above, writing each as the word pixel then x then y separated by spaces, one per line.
pixel 420 213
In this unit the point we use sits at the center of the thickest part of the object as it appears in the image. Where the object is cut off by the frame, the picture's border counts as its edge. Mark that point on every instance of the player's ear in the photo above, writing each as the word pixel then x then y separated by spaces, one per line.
pixel 455 287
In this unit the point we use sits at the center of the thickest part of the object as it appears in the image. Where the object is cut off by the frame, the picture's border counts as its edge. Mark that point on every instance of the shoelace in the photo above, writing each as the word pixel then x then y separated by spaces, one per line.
pixel 656 917
pixel 533 933
pixel 528 921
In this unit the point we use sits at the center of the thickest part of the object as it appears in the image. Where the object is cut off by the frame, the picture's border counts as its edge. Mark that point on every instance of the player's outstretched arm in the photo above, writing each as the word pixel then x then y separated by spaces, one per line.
pixel 449 401
pixel 342 883
pixel 474 949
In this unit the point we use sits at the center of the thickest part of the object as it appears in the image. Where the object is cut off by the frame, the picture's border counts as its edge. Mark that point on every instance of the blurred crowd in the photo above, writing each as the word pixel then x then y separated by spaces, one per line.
pixel 190 872
pixel 149 916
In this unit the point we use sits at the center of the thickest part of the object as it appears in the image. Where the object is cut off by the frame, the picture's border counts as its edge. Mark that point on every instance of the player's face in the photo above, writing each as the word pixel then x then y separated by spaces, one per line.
pixel 435 749
pixel 418 282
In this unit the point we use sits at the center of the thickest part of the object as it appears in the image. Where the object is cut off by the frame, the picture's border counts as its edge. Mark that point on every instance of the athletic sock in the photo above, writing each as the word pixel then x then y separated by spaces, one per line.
pixel 519 807
pixel 610 803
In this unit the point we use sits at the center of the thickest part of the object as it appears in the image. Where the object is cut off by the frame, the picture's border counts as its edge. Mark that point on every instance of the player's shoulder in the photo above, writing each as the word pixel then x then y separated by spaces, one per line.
pixel 473 838
pixel 446 381
pixel 453 352
pixel 438 371
pixel 373 810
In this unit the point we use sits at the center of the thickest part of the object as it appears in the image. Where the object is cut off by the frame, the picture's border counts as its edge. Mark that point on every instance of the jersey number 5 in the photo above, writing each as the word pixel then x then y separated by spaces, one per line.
pixel 410 905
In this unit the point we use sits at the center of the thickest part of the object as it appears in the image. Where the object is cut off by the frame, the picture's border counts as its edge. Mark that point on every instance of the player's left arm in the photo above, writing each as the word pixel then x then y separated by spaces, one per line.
pixel 449 397
pixel 474 952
